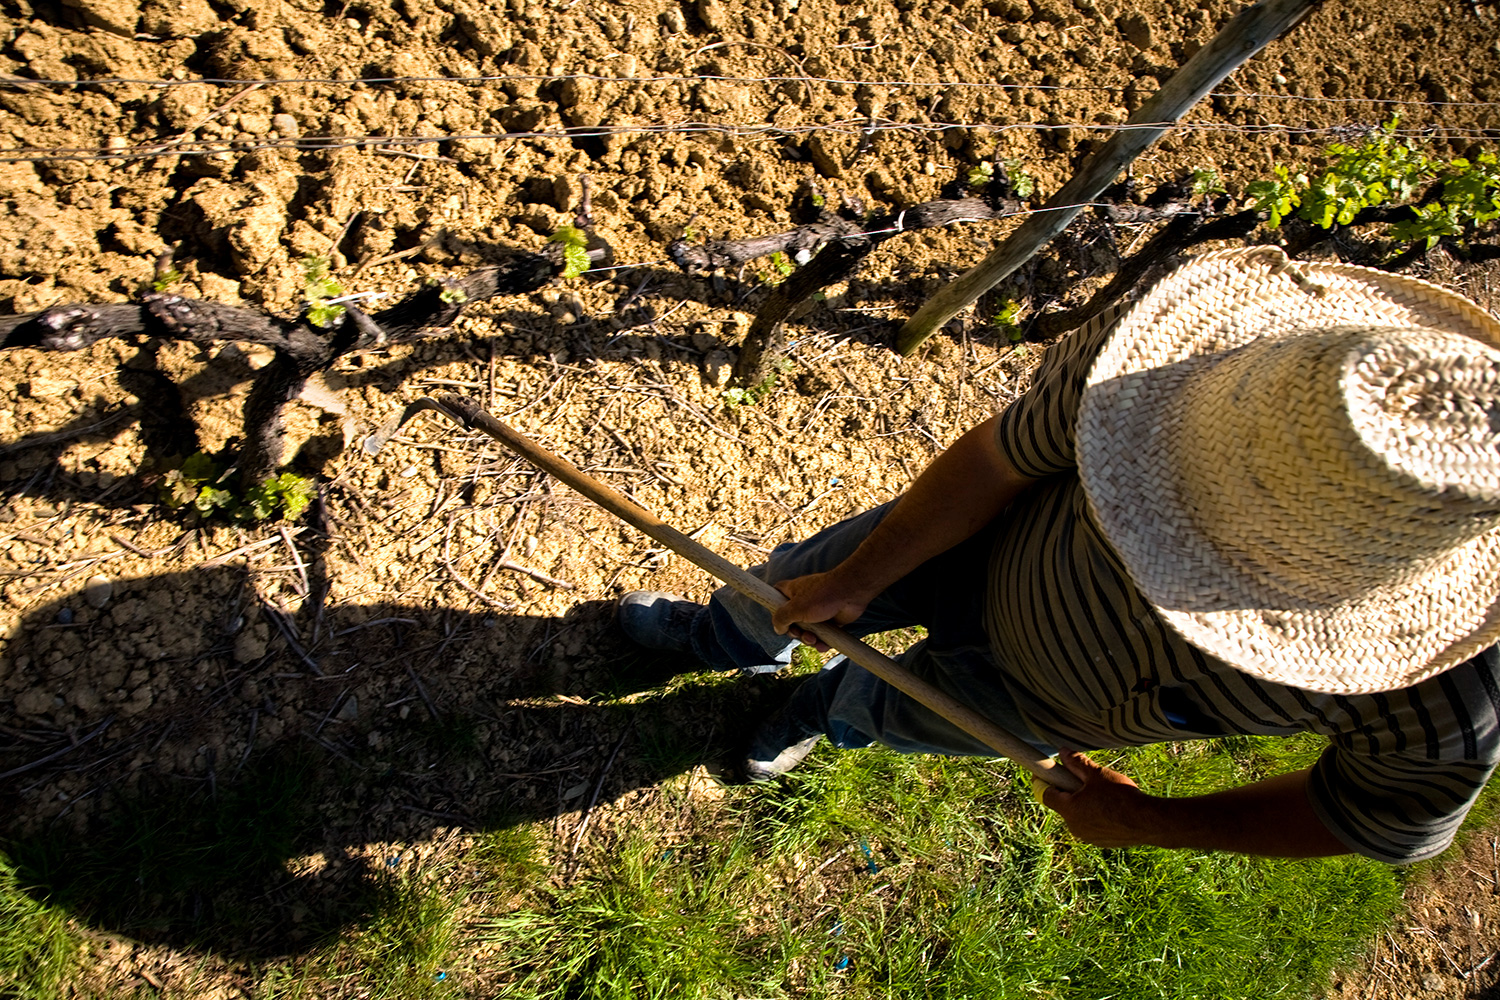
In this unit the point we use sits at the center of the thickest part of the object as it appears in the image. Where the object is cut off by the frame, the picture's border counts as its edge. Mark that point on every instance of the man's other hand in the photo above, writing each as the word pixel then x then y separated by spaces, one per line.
pixel 1108 811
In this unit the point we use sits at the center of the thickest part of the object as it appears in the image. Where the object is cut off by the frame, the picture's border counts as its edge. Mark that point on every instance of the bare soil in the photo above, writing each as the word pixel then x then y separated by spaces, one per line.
pixel 442 583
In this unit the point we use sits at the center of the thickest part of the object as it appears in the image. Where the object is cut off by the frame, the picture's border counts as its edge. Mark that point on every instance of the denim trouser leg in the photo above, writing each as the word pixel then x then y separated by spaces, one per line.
pixel 736 632
pixel 853 707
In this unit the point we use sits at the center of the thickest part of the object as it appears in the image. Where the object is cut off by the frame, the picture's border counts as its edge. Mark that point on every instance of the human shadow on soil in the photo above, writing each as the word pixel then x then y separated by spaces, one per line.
pixel 247 808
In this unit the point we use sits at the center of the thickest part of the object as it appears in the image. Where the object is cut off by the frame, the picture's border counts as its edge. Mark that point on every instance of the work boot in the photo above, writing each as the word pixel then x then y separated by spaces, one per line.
pixel 658 620
pixel 779 745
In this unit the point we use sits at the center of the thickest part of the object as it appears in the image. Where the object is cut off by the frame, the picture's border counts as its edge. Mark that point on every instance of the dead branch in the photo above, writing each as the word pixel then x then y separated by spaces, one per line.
pixel 831 248
pixel 173 317
pixel 301 349
pixel 1182 232
pixel 800 243
pixel 835 261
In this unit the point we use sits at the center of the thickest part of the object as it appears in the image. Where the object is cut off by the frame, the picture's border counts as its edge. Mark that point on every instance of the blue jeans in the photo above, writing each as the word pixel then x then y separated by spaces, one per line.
pixel 853 707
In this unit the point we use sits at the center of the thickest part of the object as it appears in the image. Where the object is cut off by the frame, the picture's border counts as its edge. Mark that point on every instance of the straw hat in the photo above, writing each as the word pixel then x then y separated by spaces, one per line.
pixel 1300 466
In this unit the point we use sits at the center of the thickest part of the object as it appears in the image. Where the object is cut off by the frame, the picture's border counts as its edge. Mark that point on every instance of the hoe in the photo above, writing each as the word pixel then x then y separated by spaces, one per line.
pixel 470 415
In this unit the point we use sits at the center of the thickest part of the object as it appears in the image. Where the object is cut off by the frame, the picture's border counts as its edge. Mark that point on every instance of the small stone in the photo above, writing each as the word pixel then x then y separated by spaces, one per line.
pixel 250 645
pixel 286 125
pixel 140 700
pixel 349 710
pixel 717 368
pixel 115 16
pixel 714 16
pixel 1433 983
pixel 65 616
pixel 98 592
pixel 33 701
pixel 575 91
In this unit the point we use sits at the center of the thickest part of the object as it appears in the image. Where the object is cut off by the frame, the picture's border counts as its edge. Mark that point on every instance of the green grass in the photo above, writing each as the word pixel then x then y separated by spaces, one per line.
pixel 667 748
pixel 407 948
pixel 945 880
pixel 650 921
pixel 864 874
pixel 38 952
pixel 509 858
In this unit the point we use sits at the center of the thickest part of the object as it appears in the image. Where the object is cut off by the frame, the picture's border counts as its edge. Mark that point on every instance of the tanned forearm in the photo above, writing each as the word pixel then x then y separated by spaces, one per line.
pixel 963 489
pixel 1273 817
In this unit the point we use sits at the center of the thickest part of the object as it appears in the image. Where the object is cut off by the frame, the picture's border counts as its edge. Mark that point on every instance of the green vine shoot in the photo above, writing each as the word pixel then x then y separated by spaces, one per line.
pixel 203 484
pixel 1007 321
pixel 164 280
pixel 737 397
pixel 1206 182
pixel 1386 170
pixel 319 289
pixel 575 245
pixel 1021 183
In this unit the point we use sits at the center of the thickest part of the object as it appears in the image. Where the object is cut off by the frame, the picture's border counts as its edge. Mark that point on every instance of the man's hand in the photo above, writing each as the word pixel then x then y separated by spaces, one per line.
pixel 1108 811
pixel 1273 817
pixel 818 597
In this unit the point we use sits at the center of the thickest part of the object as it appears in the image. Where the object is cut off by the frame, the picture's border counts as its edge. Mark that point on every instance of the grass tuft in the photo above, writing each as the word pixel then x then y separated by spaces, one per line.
pixel 871 874
pixel 508 860
pixel 406 949
pixel 651 921
pixel 38 953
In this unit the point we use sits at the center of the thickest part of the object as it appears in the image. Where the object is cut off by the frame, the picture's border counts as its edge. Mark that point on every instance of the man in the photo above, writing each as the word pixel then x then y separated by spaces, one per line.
pixel 1264 498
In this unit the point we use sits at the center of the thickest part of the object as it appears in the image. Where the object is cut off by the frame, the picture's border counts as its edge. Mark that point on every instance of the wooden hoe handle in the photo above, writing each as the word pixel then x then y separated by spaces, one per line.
pixel 470 414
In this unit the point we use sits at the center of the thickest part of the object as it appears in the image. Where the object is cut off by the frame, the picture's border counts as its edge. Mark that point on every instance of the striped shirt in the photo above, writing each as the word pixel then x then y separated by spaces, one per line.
pixel 1091 665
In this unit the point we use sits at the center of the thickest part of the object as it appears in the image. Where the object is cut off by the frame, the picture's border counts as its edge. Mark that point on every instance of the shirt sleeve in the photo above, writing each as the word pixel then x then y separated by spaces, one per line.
pixel 1402 800
pixel 1035 433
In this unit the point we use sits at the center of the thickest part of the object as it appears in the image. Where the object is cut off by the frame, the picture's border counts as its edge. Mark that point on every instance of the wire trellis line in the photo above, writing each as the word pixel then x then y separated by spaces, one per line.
pixel 897 228
pixel 181 146
pixel 706 78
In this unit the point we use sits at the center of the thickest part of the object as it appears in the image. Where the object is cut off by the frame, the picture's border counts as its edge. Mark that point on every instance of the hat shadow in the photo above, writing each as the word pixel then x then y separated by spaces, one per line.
pixel 247 809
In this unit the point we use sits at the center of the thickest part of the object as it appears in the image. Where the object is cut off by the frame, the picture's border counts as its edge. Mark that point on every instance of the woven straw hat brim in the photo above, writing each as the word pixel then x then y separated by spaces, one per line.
pixel 1130 458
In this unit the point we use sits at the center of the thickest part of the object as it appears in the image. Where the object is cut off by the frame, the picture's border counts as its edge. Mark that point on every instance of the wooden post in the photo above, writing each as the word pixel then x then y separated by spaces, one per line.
pixel 1246 34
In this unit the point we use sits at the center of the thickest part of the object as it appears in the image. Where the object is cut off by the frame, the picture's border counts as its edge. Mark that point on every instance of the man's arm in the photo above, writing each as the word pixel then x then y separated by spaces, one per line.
pixel 963 489
pixel 1273 817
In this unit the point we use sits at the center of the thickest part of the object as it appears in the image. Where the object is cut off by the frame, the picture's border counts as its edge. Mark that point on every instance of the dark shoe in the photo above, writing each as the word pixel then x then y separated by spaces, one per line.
pixel 658 620
pixel 779 745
